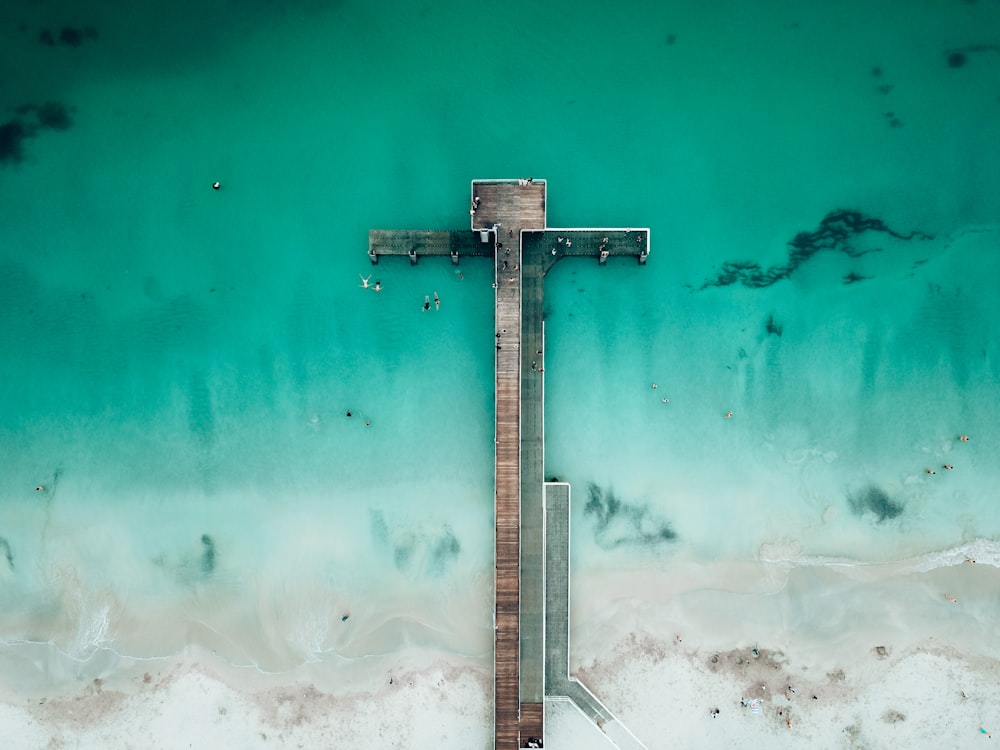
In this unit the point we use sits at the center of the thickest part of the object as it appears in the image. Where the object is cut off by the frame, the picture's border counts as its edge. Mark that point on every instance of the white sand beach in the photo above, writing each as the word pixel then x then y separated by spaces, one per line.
pixel 193 701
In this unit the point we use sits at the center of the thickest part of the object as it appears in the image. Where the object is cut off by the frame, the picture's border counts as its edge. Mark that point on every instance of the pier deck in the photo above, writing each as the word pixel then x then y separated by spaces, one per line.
pixel 508 222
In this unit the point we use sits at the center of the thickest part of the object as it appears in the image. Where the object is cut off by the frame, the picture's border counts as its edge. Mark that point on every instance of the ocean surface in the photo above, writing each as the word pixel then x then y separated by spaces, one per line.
pixel 178 362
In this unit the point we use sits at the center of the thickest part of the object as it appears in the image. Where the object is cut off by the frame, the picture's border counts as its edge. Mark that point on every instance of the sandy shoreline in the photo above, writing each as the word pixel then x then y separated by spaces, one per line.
pixel 890 659
pixel 193 701
pixel 921 697
pixel 662 690
pixel 891 663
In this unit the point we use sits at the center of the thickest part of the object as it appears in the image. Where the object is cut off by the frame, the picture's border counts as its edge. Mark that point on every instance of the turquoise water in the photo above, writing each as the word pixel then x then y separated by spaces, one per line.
pixel 178 361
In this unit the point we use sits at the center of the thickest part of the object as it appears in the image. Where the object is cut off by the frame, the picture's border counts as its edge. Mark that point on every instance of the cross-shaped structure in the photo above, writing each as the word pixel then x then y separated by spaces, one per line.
pixel 531 614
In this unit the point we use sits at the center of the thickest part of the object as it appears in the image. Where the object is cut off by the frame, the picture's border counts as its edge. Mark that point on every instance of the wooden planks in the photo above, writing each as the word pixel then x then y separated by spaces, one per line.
pixel 532 722
pixel 508 503
pixel 583 243
pixel 509 204
pixel 426 242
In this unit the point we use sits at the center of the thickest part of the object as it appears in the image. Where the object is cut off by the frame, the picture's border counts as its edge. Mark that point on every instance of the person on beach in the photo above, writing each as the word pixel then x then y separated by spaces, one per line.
pixel 364 281
pixel 427 303
pixel 437 301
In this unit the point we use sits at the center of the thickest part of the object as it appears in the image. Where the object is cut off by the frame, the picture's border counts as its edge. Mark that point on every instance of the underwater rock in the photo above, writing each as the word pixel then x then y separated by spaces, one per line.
pixel 12 135
pixel 429 552
pixel 774 328
pixel 70 37
pixel 8 553
pixel 618 524
pixel 835 233
pixel 873 499
pixel 30 119
pixel 53 115
pixel 444 550
pixel 957 58
pixel 207 554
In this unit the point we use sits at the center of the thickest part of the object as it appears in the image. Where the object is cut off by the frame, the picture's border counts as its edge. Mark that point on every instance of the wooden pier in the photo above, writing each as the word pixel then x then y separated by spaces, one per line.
pixel 508 223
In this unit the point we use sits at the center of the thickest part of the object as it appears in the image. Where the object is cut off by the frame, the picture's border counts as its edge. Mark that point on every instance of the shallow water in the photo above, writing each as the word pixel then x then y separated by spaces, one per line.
pixel 179 361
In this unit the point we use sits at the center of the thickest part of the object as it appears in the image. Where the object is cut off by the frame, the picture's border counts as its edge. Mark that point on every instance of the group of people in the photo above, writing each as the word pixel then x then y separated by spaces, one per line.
pixel 427 302
pixel 366 284
pixel 948 467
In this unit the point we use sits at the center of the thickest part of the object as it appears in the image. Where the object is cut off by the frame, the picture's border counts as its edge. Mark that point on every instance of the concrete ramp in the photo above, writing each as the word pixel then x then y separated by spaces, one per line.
pixel 559 685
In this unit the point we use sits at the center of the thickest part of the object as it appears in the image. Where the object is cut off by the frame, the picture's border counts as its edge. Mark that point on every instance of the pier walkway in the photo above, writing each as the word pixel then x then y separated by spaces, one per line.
pixel 508 222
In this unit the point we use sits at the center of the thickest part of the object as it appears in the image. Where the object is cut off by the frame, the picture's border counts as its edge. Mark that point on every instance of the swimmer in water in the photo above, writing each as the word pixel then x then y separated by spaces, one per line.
pixel 364 281
pixel 964 438
pixel 665 400
pixel 729 415
pixel 378 285
pixel 437 301
pixel 949 467
pixel 427 303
